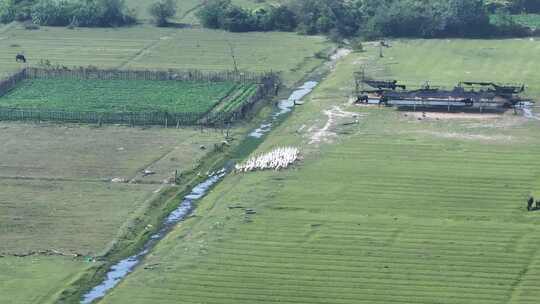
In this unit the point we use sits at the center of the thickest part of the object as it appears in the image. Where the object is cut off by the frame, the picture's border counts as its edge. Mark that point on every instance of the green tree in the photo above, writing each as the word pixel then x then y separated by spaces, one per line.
pixel 87 13
pixel 162 10
pixel 15 10
pixel 114 13
pixel 54 13
pixel 237 19
pixel 211 14
pixel 7 11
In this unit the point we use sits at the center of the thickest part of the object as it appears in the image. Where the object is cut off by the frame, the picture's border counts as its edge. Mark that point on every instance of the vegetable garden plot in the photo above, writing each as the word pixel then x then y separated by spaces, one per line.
pixel 132 97
pixel 236 99
pixel 116 95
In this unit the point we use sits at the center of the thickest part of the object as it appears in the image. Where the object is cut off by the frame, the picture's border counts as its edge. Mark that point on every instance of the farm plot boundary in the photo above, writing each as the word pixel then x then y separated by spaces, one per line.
pixel 266 84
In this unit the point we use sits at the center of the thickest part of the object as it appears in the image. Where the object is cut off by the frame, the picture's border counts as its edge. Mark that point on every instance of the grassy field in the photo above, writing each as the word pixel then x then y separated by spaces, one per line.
pixel 98 47
pixel 85 153
pixel 33 280
pixel 56 182
pixel 394 209
pixel 447 62
pixel 70 217
pixel 57 195
pixel 55 179
pixel 210 50
pixel 117 95
pixel 148 47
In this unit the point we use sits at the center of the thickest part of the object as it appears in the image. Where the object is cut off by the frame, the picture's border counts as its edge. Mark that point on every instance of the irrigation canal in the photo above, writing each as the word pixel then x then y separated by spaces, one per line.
pixel 120 270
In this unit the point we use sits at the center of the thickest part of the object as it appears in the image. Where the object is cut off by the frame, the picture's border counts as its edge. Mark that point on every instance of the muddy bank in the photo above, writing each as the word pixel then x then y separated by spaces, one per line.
pixel 121 269
pixel 528 112
pixel 283 107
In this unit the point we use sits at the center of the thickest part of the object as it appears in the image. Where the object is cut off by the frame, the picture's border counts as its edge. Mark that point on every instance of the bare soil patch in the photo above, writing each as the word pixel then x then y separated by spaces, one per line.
pixel 470 120
pixel 449 116
pixel 335 116
pixel 466 136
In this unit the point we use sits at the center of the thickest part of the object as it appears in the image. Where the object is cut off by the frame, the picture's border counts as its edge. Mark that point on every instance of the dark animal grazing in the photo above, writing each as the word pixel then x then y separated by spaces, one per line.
pixel 20 58
pixel 537 205
pixel 530 203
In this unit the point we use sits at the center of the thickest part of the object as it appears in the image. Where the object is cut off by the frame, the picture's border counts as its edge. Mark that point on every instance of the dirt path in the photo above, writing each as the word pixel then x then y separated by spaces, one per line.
pixel 452 116
pixel 8 27
pixel 145 50
pixel 191 10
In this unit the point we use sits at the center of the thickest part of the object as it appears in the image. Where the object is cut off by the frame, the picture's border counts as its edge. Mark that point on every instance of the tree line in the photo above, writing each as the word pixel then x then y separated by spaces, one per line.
pixel 84 13
pixel 367 18
pixel 338 19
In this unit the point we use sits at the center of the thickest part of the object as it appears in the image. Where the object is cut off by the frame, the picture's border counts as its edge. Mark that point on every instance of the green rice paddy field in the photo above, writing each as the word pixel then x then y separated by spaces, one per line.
pixel 118 95
pixel 399 208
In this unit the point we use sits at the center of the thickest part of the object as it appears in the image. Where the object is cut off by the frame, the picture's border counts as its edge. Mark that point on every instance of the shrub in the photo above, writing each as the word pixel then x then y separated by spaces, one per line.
pixel 357 46
pixel 505 25
pixel 29 25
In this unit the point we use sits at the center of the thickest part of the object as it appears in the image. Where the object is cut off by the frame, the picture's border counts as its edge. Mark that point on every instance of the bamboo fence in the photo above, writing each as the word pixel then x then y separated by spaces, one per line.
pixel 266 82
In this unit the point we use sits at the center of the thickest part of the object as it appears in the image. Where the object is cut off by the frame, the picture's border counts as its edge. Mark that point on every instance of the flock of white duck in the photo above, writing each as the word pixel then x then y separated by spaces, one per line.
pixel 279 158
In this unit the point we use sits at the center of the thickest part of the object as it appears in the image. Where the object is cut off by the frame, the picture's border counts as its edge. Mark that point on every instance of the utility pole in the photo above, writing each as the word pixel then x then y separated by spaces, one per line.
pixel 233 56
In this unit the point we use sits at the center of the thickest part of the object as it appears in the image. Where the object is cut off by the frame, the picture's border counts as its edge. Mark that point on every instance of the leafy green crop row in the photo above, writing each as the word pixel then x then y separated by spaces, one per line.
pixel 241 99
pixel 236 100
pixel 117 95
